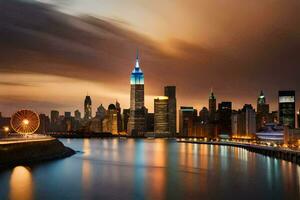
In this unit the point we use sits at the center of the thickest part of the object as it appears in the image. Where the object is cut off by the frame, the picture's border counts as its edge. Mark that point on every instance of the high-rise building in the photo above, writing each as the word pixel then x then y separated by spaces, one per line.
pixel 77 115
pixel 187 115
pixel 110 122
pixel 244 122
pixel 54 121
pixel 87 108
pixel 224 119
pixel 204 115
pixel 101 112
pixel 170 92
pixel 287 108
pixel 126 114
pixel 212 106
pixel 150 122
pixel 136 124
pixel 263 108
pixel 161 117
pixel 119 116
pixel 44 124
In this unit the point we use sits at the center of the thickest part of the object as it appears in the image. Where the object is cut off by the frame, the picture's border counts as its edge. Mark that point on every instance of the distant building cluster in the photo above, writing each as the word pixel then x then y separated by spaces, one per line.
pixel 219 120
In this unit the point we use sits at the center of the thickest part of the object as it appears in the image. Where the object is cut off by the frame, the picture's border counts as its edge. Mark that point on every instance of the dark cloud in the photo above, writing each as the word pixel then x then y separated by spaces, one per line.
pixel 36 38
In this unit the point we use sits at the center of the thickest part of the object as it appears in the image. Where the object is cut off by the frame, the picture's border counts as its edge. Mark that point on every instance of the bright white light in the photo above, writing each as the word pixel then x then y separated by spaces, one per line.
pixel 25 121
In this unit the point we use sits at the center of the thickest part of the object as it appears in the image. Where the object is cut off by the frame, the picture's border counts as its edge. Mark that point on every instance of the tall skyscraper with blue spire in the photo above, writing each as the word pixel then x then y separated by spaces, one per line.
pixel 136 123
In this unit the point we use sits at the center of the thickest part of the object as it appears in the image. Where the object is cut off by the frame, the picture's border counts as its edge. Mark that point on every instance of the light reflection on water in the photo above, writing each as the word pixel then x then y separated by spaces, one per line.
pixel 21 184
pixel 153 169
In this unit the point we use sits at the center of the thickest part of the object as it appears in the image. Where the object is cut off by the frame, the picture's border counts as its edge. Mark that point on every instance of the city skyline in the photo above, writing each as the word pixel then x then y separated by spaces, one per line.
pixel 32 76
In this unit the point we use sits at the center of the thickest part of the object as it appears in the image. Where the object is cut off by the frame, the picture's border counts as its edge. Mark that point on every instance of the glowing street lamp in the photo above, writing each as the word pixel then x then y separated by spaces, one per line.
pixel 6 129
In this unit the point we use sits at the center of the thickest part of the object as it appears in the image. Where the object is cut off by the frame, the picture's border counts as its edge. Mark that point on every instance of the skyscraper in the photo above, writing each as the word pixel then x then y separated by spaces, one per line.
pixel 119 116
pixel 77 115
pixel 170 92
pixel 87 108
pixel 287 108
pixel 136 123
pixel 212 106
pixel 224 118
pixel 110 122
pixel 262 111
pixel 187 115
pixel 244 122
pixel 161 117
pixel 55 122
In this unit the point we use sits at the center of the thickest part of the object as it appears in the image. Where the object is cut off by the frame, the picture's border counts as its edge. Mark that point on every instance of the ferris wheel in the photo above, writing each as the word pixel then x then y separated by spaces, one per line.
pixel 25 122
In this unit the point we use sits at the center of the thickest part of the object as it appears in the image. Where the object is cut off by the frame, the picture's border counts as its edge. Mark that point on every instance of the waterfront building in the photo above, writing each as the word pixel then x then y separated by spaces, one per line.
pixel 187 117
pixel 150 122
pixel 101 112
pixel 244 122
pixel 44 124
pixel 136 123
pixel 87 108
pixel 170 92
pixel 161 115
pixel 125 119
pixel 110 122
pixel 77 115
pixel 212 106
pixel 263 110
pixel 119 116
pixel 224 119
pixel 204 115
pixel 54 121
pixel 271 132
pixel 286 101
pixel 95 125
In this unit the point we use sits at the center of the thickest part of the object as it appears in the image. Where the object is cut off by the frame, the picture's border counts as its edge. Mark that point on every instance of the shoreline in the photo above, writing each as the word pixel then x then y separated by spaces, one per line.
pixel 31 152
pixel 283 154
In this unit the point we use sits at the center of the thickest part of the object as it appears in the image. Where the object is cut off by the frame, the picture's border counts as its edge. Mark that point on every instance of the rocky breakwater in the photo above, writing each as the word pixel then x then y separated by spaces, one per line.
pixel 32 151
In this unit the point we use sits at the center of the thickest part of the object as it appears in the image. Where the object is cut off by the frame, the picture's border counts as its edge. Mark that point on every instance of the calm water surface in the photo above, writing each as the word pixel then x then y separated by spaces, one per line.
pixel 152 169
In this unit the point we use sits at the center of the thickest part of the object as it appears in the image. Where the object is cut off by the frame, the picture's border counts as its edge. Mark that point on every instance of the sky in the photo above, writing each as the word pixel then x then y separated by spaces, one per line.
pixel 55 52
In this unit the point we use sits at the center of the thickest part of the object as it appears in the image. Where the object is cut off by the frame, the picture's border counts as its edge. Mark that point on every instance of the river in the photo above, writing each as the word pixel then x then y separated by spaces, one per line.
pixel 152 169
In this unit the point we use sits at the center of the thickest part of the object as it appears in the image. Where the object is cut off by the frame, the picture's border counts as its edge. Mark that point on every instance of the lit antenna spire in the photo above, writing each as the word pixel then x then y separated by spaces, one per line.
pixel 137 65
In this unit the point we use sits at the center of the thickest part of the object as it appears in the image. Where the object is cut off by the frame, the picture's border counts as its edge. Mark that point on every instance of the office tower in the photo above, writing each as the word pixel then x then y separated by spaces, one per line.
pixel 150 122
pixel 224 118
pixel 110 122
pixel 87 108
pixel 136 124
pixel 286 100
pixel 55 121
pixel 212 106
pixel 44 124
pixel 101 112
pixel 204 115
pixel 68 122
pixel 126 113
pixel 119 116
pixel 67 114
pixel 244 122
pixel 77 115
pixel 170 92
pixel 262 111
pixel 161 117
pixel 54 117
pixel 187 116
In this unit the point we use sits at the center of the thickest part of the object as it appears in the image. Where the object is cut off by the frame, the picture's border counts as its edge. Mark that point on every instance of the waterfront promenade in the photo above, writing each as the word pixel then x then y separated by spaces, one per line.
pixel 25 139
pixel 285 153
